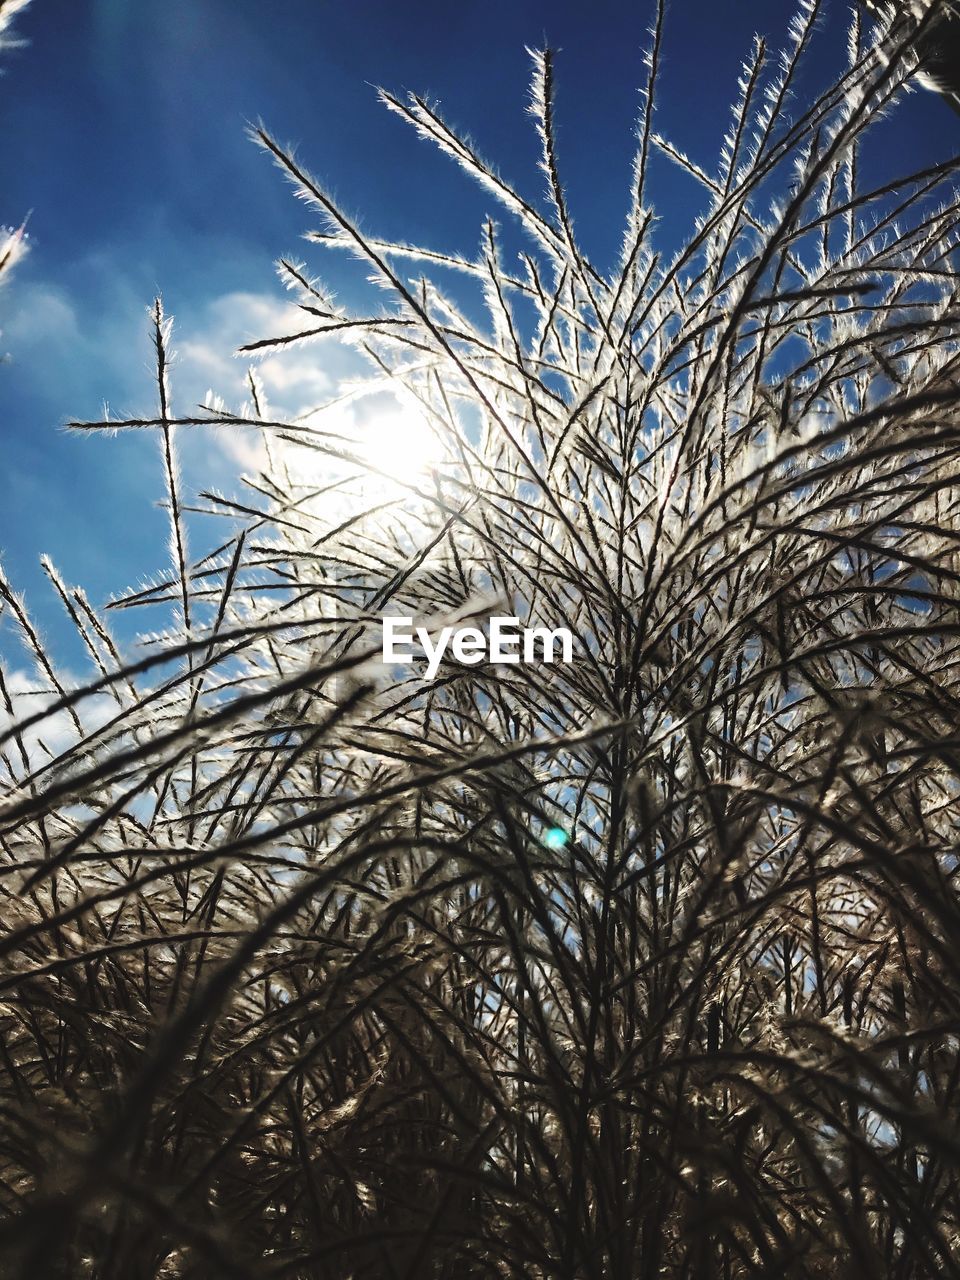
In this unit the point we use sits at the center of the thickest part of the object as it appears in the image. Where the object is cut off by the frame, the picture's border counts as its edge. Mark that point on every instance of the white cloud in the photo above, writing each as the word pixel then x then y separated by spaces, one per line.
pixel 295 379
pixel 41 311
pixel 104 355
pixel 76 356
pixel 56 732
pixel 207 366
pixel 88 354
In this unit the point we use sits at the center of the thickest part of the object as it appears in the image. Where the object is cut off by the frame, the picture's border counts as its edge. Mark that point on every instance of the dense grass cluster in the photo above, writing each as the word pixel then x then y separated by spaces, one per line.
pixel 292 984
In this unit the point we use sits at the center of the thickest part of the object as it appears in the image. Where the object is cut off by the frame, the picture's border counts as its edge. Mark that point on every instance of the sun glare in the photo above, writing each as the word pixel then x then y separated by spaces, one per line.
pixel 380 453
pixel 399 445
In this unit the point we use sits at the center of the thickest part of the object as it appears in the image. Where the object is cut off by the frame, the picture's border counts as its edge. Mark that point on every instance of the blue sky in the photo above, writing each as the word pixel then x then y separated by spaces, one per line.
pixel 123 132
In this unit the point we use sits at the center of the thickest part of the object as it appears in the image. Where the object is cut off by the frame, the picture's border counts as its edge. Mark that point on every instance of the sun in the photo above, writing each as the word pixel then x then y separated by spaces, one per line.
pixel 383 450
pixel 398 446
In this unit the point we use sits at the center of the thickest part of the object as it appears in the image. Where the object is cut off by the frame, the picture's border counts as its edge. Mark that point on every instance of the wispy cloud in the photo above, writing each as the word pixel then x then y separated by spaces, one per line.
pixel 9 9
pixel 57 732
pixel 103 359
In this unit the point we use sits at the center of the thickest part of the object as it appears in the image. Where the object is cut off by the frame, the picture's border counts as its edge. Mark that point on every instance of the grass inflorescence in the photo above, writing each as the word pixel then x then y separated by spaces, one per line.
pixel 642 965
